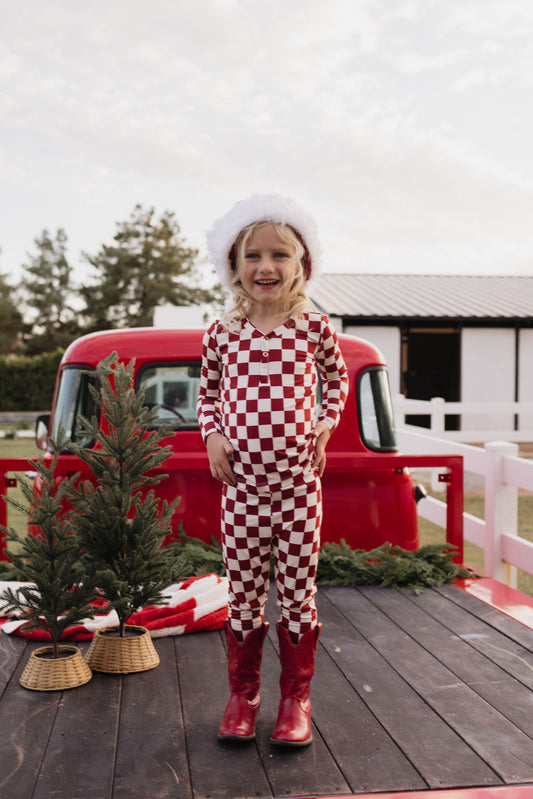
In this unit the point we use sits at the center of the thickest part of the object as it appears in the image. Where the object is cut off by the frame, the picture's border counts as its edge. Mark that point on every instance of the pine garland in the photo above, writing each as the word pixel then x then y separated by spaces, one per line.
pixel 194 558
pixel 388 566
pixel 340 565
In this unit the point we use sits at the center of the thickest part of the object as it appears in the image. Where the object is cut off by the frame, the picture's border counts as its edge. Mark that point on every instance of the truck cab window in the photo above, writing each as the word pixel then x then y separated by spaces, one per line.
pixel 374 407
pixel 74 400
pixel 174 389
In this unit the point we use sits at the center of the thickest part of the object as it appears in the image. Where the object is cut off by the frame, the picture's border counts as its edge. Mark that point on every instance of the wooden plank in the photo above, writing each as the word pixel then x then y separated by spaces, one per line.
pixel 12 649
pixel 297 771
pixel 26 719
pixel 384 714
pixel 151 756
pixel 368 757
pixel 501 690
pixel 506 652
pixel 438 753
pixel 490 615
pixel 217 770
pixel 491 735
pixel 80 756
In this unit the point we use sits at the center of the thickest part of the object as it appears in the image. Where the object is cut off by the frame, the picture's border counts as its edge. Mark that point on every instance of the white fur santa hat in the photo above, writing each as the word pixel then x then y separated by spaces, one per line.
pixel 262 208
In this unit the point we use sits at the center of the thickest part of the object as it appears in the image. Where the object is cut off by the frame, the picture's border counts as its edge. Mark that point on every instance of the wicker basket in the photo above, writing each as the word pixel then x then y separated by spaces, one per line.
pixel 44 673
pixel 115 655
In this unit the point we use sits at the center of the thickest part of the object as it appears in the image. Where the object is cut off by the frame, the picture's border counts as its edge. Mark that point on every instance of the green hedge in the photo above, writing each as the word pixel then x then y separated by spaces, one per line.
pixel 27 383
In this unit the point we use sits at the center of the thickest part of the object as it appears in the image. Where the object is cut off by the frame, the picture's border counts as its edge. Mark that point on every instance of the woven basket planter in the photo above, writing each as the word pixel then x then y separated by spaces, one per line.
pixel 114 655
pixel 43 673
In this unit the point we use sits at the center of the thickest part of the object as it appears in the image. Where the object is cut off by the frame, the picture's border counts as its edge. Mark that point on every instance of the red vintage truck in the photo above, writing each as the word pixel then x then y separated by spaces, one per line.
pixel 365 506
pixel 414 696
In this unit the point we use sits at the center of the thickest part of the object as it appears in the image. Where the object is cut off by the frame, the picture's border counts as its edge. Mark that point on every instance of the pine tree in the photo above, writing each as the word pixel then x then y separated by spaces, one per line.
pixel 147 264
pixel 46 287
pixel 11 323
pixel 56 597
pixel 121 523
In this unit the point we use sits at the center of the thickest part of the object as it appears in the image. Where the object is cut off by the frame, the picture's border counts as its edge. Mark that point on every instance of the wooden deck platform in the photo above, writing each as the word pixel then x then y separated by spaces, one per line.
pixel 410 693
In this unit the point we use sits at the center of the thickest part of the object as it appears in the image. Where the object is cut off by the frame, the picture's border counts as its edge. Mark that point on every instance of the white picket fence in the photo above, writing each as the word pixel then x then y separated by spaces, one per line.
pixel 503 473
pixel 506 414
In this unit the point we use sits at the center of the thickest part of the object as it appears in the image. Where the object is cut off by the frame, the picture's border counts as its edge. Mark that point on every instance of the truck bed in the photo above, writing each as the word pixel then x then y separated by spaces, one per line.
pixel 411 693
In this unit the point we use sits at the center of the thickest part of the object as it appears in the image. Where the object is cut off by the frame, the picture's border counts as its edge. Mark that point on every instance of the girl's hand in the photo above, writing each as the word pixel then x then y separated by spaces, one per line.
pixel 220 452
pixel 322 434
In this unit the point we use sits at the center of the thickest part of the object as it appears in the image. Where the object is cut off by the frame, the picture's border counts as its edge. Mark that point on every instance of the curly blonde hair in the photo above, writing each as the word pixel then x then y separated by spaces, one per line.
pixel 298 301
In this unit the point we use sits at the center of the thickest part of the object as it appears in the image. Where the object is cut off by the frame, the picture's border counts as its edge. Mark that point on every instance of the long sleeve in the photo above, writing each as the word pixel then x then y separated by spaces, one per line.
pixel 208 405
pixel 334 376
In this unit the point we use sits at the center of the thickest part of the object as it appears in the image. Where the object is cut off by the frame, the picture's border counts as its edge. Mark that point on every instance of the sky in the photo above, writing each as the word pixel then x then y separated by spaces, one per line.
pixel 404 126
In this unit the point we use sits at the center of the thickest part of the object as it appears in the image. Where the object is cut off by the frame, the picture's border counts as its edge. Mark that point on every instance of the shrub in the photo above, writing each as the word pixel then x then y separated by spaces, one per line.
pixel 28 382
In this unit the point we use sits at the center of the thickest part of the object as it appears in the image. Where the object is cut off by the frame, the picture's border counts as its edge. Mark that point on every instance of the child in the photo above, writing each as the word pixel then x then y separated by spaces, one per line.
pixel 256 409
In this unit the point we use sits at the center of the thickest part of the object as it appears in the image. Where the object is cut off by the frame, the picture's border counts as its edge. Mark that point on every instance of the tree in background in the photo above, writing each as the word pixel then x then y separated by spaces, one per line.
pixel 11 322
pixel 147 265
pixel 46 288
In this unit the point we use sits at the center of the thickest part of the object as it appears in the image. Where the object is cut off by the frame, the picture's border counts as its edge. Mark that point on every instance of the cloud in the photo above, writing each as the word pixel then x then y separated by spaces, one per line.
pixel 394 122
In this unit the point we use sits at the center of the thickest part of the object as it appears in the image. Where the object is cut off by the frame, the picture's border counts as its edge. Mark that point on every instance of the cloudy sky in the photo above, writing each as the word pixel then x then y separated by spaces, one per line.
pixel 404 126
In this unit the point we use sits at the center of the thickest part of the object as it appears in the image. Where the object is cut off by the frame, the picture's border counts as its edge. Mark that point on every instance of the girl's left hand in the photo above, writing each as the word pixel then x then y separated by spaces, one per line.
pixel 321 434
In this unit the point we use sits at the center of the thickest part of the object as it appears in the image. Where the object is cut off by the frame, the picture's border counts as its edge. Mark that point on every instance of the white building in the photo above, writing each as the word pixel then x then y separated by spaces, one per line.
pixel 463 338
pixel 182 317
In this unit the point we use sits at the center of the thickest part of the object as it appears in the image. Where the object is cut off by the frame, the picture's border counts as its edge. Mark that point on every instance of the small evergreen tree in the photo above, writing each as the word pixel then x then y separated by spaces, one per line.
pixel 120 525
pixel 56 597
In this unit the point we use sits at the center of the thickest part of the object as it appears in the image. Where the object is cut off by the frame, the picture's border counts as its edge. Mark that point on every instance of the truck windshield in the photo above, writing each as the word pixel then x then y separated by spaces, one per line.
pixel 174 389
pixel 374 406
pixel 74 399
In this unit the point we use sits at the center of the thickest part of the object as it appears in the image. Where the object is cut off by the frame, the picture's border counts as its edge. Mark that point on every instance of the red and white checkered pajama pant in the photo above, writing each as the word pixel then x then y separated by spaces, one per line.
pixel 286 521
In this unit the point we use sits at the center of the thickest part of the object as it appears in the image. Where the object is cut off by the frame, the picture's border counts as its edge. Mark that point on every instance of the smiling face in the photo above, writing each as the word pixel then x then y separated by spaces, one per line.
pixel 267 268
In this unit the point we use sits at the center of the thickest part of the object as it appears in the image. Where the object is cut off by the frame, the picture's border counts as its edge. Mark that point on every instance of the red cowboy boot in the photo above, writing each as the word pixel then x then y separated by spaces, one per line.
pixel 244 672
pixel 293 727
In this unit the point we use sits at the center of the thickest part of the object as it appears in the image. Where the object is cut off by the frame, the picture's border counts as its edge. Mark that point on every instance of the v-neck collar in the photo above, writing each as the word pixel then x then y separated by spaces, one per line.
pixel 276 332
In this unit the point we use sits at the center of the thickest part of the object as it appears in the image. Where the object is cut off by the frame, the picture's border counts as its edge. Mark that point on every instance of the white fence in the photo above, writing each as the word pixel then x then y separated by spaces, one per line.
pixel 520 414
pixel 503 473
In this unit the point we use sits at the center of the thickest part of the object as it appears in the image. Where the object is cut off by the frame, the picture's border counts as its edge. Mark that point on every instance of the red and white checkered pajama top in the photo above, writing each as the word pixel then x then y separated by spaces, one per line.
pixel 260 392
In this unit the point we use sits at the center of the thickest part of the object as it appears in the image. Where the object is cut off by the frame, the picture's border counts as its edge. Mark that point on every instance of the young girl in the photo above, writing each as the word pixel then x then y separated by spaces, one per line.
pixel 257 414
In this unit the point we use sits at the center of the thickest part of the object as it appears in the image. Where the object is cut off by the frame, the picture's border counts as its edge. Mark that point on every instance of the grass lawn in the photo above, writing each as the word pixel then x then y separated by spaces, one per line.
pixel 474 556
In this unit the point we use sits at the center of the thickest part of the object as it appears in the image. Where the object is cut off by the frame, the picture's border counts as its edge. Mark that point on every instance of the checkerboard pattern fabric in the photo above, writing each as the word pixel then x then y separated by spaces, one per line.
pixel 259 390
pixel 287 523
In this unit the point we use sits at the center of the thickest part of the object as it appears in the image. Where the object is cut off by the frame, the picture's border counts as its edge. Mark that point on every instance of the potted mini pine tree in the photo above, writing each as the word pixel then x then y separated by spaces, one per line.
pixel 53 596
pixel 120 523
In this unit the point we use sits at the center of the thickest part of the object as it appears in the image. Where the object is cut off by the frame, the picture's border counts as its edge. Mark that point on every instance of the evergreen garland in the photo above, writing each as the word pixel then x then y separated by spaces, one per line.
pixel 387 565
pixel 194 558
pixel 8 571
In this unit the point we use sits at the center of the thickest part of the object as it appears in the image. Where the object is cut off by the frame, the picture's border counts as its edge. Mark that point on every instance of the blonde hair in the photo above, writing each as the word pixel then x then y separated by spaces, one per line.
pixel 297 301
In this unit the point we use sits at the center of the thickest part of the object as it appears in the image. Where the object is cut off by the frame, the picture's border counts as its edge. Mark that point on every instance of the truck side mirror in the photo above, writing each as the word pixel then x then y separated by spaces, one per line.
pixel 41 430
pixel 420 492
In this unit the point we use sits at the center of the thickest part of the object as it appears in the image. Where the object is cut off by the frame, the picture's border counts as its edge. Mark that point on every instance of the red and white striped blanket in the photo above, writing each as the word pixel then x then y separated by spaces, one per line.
pixel 200 603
